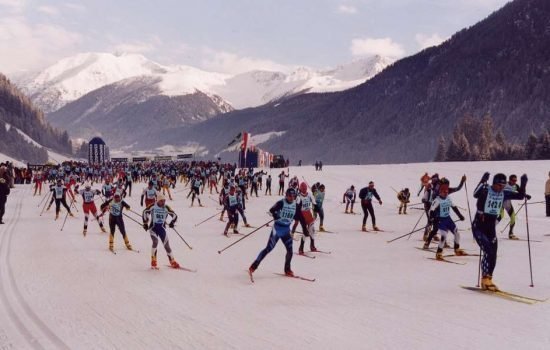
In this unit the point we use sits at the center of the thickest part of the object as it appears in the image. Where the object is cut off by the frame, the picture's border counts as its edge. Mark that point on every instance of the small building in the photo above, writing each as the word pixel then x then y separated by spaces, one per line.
pixel 98 152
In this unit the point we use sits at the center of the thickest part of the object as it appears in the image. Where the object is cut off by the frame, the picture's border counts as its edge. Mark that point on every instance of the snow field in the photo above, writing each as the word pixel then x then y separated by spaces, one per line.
pixel 67 291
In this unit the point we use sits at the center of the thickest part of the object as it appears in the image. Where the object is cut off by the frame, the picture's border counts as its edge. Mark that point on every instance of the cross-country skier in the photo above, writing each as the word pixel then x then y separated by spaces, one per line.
pixel 60 197
pixel 195 190
pixel 304 207
pixel 366 195
pixel 349 198
pixel 404 198
pixel 440 216
pixel 115 206
pixel 157 228
pixel 282 176
pixel 490 200
pixel 149 194
pixel 231 204
pixel 319 196
pixel 511 186
pixel 88 205
pixel 284 211
pixel 268 185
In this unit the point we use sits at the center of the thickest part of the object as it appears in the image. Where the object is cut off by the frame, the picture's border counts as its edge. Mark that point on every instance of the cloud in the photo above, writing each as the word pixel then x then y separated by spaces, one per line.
pixel 33 45
pixel 134 47
pixel 372 46
pixel 49 10
pixel 230 63
pixel 347 9
pixel 16 6
pixel 425 41
pixel 75 7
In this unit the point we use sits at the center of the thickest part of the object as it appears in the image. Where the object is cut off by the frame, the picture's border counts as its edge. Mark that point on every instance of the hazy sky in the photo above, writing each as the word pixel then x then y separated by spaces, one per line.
pixel 229 35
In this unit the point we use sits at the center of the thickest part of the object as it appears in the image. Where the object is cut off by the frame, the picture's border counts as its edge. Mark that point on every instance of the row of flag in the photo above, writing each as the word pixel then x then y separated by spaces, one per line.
pixel 264 158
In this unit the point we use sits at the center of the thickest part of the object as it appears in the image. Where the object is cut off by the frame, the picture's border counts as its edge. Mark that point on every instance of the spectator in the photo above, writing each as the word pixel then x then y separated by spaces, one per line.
pixel 4 191
pixel 547 195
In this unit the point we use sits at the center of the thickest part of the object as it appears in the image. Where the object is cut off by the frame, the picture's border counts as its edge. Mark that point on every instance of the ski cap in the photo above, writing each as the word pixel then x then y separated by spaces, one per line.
pixel 160 197
pixel 291 192
pixel 87 185
pixel 499 179
pixel 303 187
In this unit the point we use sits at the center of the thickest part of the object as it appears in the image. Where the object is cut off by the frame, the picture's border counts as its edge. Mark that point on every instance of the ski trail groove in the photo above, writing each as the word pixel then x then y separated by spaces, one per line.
pixel 9 286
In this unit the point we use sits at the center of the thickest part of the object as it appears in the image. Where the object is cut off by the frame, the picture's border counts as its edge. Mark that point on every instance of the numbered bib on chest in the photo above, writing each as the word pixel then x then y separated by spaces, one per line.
pixel 306 203
pixel 116 209
pixel 88 196
pixel 444 208
pixel 58 192
pixel 233 201
pixel 287 213
pixel 494 201
pixel 159 215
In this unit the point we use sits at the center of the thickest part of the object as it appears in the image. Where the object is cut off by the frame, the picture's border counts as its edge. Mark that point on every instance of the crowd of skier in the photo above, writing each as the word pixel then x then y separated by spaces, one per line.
pixel 295 214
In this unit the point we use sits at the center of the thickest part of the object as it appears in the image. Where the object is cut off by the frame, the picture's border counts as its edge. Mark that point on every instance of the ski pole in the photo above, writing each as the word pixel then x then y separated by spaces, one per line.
pixel 46 203
pixel 133 212
pixel 472 227
pixel 205 220
pixel 42 200
pixel 240 239
pixel 517 212
pixel 529 243
pixel 414 228
pixel 187 244
pixel 131 218
pixel 406 234
pixel 64 221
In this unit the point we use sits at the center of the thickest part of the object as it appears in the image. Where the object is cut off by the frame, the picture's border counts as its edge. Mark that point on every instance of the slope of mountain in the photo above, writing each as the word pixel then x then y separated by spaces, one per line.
pixel 498 67
pixel 133 109
pixel 73 77
pixel 24 134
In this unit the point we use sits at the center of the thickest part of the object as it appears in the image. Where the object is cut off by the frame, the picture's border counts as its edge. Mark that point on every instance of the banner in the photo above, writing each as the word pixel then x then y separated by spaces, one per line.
pixel 185 156
pixel 139 159
pixel 120 160
pixel 163 158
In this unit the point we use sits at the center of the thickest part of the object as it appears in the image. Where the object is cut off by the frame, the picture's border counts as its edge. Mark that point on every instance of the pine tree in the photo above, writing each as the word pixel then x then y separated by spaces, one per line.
pixel 543 146
pixel 464 153
pixel 441 154
pixel 531 146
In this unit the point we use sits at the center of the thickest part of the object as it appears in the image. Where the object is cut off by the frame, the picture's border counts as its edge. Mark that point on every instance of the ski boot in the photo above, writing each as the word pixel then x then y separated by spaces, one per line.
pixel 426 246
pixel 289 273
pixel 71 214
pixel 513 237
pixel 127 243
pixel 321 228
pixel 103 229
pixel 85 231
pixel 247 225
pixel 487 284
pixel 235 231
pixel 375 228
pixel 364 228
pixel 460 252
pixel 153 262
pixel 347 212
pixel 225 234
pixel 174 264
pixel 439 254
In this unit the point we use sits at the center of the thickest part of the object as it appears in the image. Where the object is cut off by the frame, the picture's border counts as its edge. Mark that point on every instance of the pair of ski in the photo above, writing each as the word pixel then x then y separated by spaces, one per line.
pixel 444 258
pixel 175 268
pixel 250 275
pixel 132 250
pixel 305 255
pixel 507 295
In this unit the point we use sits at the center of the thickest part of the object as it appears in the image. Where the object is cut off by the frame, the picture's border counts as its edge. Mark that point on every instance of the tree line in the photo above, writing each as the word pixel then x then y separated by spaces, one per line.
pixel 476 139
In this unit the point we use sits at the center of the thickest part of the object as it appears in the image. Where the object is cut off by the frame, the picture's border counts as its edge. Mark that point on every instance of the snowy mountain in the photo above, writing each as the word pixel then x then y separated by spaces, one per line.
pixel 73 77
pixel 112 111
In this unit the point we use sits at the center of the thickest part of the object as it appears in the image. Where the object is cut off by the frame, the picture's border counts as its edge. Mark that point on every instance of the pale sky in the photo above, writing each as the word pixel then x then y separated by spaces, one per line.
pixel 229 36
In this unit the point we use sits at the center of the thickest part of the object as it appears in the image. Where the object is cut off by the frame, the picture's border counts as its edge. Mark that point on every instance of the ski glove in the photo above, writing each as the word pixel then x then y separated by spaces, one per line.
pixel 528 197
pixel 485 177
pixel 461 217
pixel 171 225
pixel 145 226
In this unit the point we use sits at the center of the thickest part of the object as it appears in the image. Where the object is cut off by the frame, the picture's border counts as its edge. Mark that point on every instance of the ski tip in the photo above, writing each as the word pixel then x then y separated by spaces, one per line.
pixel 219 251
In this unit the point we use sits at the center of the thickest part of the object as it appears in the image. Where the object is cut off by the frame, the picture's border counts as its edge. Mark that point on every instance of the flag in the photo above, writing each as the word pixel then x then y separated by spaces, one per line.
pixel 244 146
pixel 236 139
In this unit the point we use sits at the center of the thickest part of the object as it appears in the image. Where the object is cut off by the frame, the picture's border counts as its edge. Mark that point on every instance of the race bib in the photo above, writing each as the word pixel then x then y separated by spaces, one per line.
pixel 494 201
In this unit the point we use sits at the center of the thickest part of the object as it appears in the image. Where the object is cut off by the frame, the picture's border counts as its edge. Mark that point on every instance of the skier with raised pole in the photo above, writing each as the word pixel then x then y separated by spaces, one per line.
pixel 440 216
pixel 284 212
pixel 154 220
pixel 60 197
pixel 490 200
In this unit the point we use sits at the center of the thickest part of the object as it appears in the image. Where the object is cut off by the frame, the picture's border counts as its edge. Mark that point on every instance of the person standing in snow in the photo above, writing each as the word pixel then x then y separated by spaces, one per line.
pixel 349 199
pixel 547 195
pixel 511 186
pixel 284 211
pixel 490 200
pixel 282 182
pixel 366 194
pixel 115 206
pixel 319 196
pixel 156 225
pixel 88 206
pixel 440 217
pixel 4 192
pixel 268 185
pixel 404 198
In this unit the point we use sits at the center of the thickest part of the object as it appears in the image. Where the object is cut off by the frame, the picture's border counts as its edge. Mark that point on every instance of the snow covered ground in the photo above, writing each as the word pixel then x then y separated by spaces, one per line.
pixel 59 290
